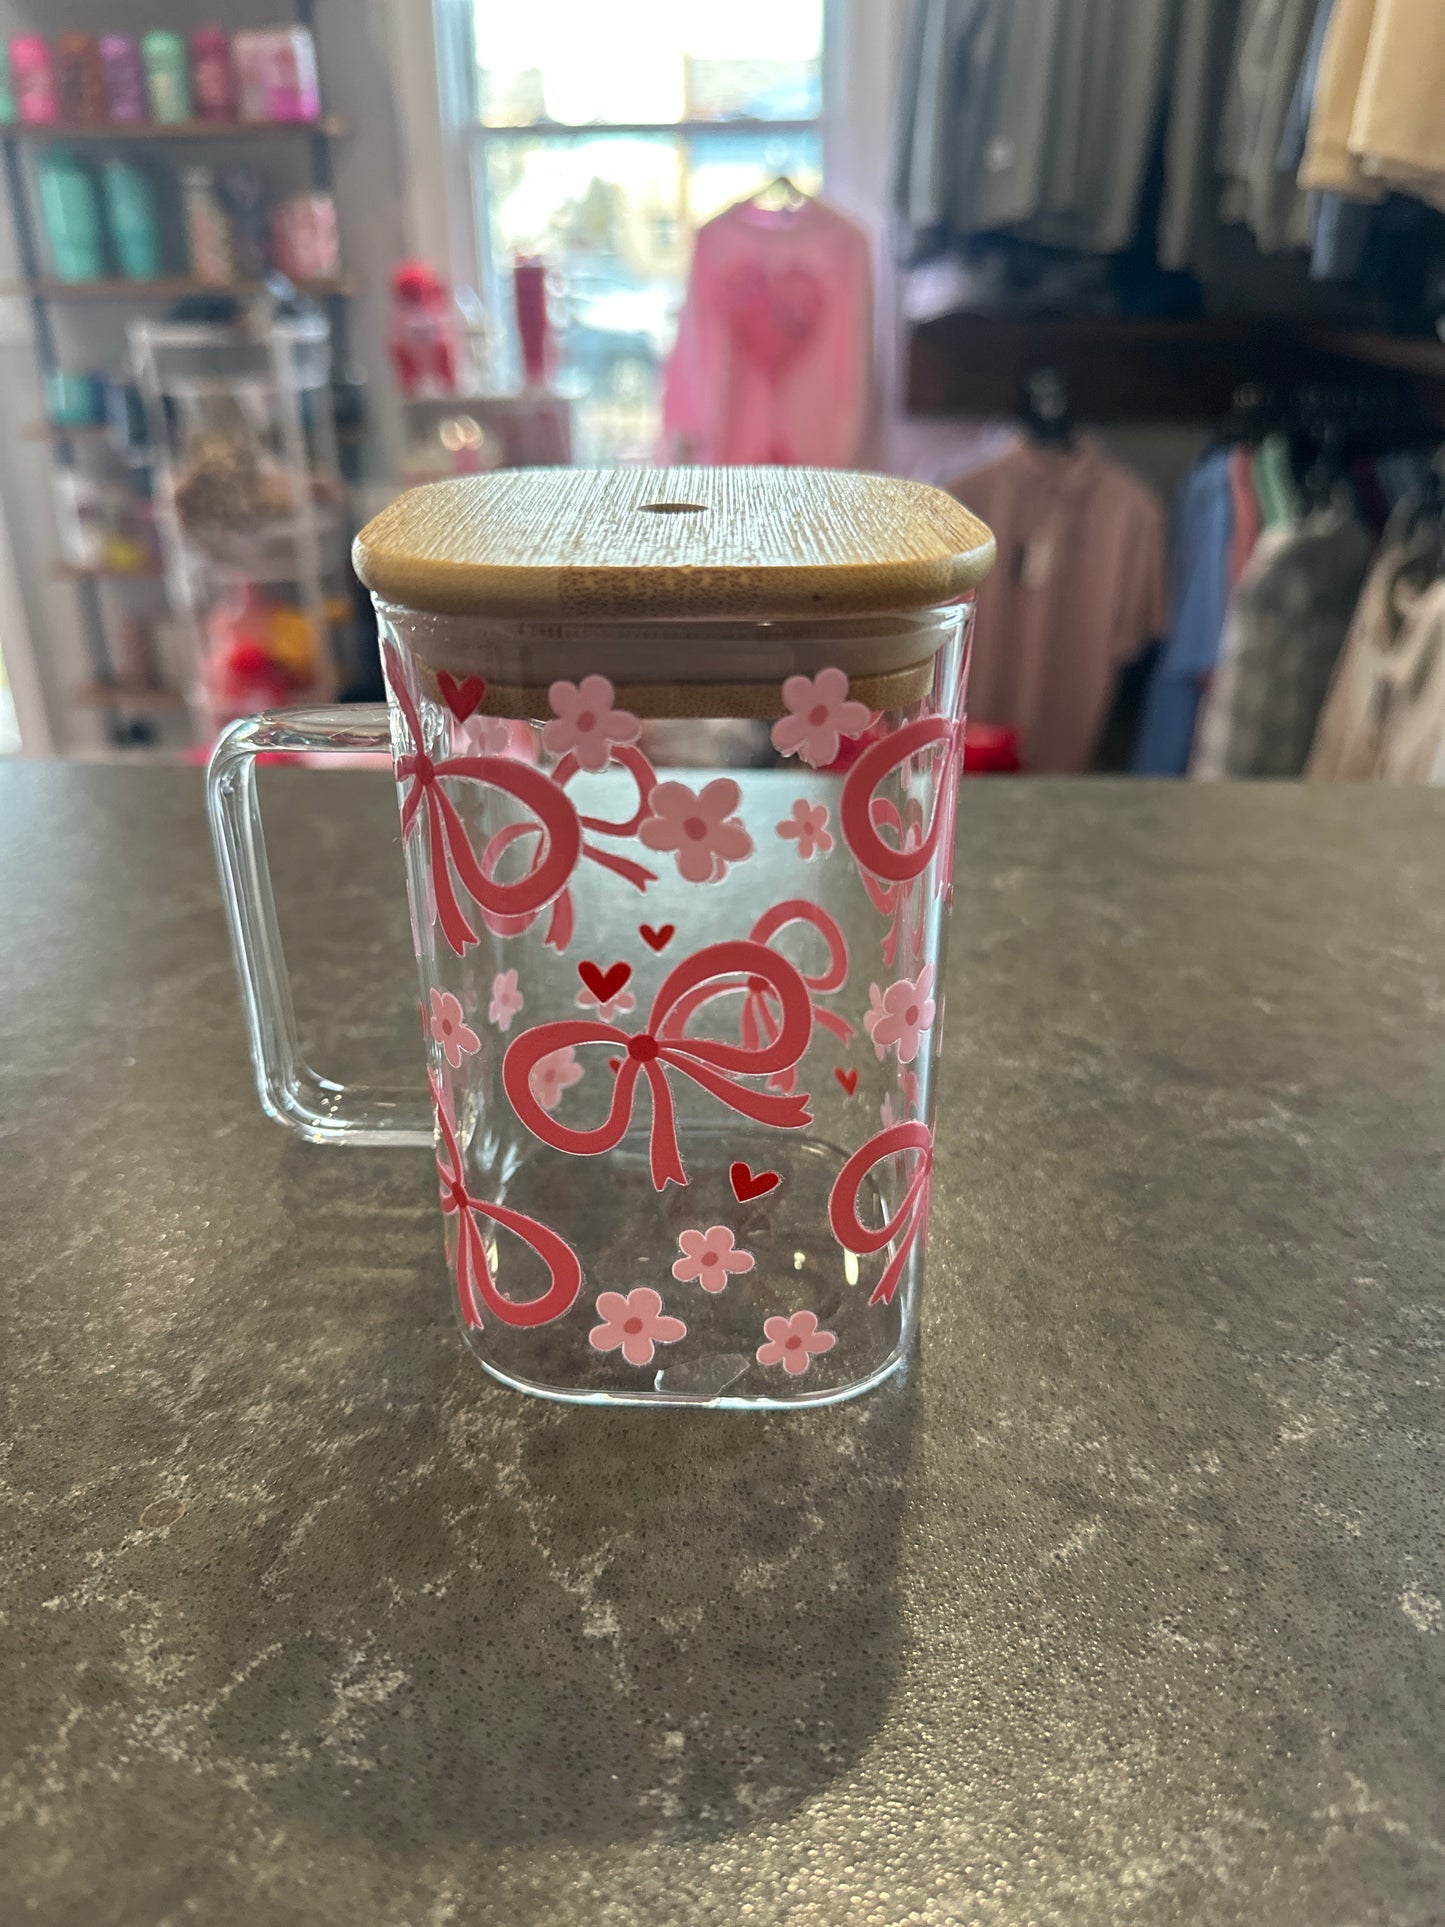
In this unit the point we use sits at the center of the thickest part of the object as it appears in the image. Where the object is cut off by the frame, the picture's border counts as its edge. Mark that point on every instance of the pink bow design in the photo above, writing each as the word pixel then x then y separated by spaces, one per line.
pixel 448 842
pixel 760 1022
pixel 911 1217
pixel 657 1049
pixel 861 813
pixel 475 1284
pixel 562 922
pixel 896 900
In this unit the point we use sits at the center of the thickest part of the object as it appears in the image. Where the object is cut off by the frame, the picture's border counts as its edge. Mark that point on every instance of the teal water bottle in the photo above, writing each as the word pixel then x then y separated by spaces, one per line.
pixel 168 76
pixel 7 92
pixel 70 215
pixel 130 211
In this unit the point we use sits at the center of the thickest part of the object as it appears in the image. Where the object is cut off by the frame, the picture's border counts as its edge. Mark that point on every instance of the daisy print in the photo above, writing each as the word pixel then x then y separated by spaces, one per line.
pixel 697 827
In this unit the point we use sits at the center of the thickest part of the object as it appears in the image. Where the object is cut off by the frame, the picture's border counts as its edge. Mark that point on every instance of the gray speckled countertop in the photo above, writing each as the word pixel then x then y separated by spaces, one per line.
pixel 1126 1604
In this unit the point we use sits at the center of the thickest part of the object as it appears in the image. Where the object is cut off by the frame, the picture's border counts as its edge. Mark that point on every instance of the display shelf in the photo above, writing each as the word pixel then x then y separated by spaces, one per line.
pixel 330 125
pixel 168 288
pixel 1122 370
pixel 124 695
pixel 110 299
pixel 54 432
pixel 98 572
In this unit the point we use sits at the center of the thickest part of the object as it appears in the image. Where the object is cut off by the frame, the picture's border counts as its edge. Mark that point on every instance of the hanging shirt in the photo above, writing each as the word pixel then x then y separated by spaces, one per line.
pixel 774 354
pixel 1379 695
pixel 1270 46
pixel 1202 69
pixel 1247 519
pixel 1396 128
pixel 1078 591
pixel 1283 636
pixel 1376 120
pixel 1200 535
pixel 1328 163
pixel 1413 749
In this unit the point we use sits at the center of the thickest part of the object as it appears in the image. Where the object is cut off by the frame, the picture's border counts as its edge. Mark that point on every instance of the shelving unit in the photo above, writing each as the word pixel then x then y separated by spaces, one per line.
pixel 168 288
pixel 45 293
pixel 83 572
pixel 330 127
pixel 123 695
pixel 59 432
pixel 1120 370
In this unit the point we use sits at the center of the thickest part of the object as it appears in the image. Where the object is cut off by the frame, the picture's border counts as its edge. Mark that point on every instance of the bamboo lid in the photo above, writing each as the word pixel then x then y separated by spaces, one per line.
pixel 679 542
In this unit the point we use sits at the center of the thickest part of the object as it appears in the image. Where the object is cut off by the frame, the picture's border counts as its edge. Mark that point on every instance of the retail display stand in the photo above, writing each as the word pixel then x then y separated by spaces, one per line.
pixel 250 506
pixel 133 700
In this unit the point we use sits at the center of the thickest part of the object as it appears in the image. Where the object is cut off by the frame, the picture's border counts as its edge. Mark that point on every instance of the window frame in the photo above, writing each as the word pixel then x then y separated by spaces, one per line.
pixel 472 256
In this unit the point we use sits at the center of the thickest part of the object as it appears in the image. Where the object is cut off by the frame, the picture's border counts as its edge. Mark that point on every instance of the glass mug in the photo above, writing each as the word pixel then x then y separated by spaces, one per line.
pixel 677 757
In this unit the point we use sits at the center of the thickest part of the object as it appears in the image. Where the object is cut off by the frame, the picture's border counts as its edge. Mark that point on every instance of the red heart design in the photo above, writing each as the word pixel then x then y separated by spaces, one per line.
pixel 461 698
pixel 848 1079
pixel 614 1063
pixel 604 984
pixel 774 318
pixel 659 938
pixel 748 1184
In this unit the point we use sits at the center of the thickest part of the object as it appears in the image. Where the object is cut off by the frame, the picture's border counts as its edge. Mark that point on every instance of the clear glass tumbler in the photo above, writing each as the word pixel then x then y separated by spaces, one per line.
pixel 677 826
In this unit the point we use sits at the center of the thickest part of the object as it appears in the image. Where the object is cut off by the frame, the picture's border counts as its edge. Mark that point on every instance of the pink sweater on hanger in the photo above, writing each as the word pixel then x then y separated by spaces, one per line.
pixel 774 354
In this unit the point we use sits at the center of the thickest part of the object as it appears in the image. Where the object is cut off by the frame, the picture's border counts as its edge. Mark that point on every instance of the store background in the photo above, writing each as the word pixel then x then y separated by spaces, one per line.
pixel 399 74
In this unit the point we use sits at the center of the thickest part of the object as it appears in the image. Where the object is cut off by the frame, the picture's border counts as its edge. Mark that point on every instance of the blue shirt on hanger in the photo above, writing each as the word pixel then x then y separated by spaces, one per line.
pixel 1201 526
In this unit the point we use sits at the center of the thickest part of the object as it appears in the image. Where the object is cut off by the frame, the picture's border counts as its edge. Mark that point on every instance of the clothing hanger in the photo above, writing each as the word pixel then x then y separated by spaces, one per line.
pixel 1045 412
pixel 782 195
pixel 1253 410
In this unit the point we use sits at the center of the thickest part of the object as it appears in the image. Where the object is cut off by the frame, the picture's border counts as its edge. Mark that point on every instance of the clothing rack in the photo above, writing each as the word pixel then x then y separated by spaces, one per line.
pixel 1120 370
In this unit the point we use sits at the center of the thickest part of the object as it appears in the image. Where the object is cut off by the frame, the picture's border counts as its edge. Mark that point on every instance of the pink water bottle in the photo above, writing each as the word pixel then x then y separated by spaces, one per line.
pixel 295 94
pixel 213 84
pixel 529 295
pixel 32 76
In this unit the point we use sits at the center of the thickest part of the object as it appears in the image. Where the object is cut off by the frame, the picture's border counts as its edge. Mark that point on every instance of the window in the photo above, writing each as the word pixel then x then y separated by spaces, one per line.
pixel 604 136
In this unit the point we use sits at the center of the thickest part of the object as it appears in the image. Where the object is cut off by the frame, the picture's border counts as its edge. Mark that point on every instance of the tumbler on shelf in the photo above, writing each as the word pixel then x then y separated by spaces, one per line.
pixel 295 92
pixel 534 328
pixel 168 76
pixel 81 80
pixel 130 208
pixel 305 242
pixel 208 229
pixel 677 757
pixel 70 216
pixel 32 79
pixel 125 87
pixel 213 84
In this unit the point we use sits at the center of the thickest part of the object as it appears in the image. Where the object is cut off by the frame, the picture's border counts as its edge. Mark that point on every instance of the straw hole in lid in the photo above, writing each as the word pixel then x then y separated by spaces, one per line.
pixel 672 508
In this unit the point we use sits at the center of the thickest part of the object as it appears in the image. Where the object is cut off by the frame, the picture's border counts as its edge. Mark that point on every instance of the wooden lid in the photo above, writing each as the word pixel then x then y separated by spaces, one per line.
pixel 689 542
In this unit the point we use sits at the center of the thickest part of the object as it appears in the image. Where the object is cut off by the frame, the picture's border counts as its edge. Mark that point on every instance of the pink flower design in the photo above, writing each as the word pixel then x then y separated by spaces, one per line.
pixel 794 1342
pixel 553 1074
pixel 820 715
pixel 909 1089
pixel 507 1000
pixel 635 1324
pixel 709 1256
pixel 699 826
pixel 606 1013
pixel 454 1036
pixel 491 735
pixel 900 1014
pixel 808 822
pixel 585 723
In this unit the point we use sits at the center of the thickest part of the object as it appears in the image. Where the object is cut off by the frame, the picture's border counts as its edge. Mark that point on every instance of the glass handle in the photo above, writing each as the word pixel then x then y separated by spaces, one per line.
pixel 290 1091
